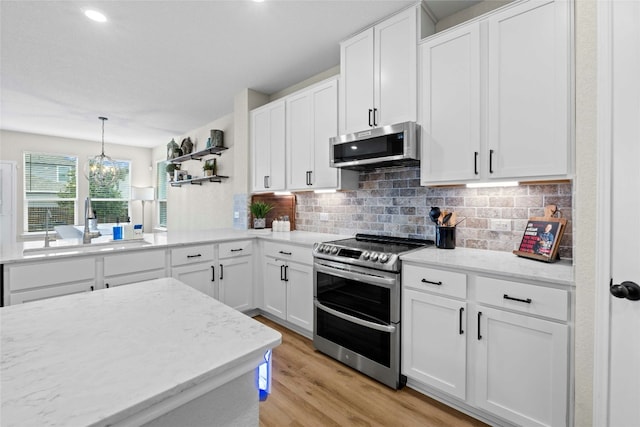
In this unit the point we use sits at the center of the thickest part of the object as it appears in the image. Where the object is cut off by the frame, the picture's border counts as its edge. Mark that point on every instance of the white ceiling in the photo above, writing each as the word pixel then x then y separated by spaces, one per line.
pixel 158 69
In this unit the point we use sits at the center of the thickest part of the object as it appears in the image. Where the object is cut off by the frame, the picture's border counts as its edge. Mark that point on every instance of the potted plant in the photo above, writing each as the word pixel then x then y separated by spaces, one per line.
pixel 171 168
pixel 259 210
pixel 207 168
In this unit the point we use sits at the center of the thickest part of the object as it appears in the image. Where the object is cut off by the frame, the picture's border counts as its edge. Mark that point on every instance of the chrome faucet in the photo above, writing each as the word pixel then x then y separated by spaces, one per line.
pixel 88 216
pixel 47 217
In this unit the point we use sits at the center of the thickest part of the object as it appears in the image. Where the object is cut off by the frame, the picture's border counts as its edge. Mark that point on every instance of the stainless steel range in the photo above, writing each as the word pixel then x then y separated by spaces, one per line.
pixel 357 303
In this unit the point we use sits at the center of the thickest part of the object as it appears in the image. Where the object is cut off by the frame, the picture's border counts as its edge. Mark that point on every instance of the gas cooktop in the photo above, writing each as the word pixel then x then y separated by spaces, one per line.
pixel 368 250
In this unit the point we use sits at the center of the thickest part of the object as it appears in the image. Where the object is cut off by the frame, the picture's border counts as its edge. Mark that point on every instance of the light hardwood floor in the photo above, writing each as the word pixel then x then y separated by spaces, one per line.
pixel 311 389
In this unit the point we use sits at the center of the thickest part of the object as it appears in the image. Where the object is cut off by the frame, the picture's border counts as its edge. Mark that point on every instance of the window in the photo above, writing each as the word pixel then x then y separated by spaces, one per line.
pixel 161 185
pixel 111 202
pixel 49 185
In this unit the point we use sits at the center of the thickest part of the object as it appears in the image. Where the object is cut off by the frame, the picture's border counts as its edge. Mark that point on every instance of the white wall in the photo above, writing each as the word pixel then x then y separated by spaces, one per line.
pixel 210 205
pixel 14 144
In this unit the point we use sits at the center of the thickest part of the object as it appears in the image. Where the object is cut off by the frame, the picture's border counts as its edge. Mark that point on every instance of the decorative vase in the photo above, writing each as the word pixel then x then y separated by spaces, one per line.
pixel 259 222
pixel 217 137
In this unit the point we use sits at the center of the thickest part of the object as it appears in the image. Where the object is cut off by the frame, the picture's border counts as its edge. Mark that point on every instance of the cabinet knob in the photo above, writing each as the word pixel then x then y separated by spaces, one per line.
pixel 627 289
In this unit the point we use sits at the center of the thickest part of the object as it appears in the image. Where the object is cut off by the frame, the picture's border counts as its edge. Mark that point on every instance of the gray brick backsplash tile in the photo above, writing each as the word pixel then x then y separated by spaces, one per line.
pixel 392 202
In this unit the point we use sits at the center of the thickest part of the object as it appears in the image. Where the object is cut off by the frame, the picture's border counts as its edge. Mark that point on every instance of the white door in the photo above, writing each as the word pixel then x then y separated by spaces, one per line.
pixel 7 202
pixel 528 94
pixel 325 125
pixel 395 69
pixel 356 82
pixel 198 276
pixel 236 282
pixel 300 295
pixel 429 319
pixel 299 140
pixel 275 288
pixel 617 363
pixel 450 106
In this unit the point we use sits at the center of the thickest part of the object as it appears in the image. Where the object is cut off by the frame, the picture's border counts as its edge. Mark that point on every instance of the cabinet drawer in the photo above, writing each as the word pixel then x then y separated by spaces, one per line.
pixel 133 262
pixel 232 249
pixel 192 254
pixel 437 281
pixel 288 252
pixel 523 297
pixel 33 275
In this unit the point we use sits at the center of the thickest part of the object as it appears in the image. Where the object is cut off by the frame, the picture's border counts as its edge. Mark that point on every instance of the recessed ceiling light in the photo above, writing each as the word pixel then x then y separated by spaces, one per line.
pixel 94 15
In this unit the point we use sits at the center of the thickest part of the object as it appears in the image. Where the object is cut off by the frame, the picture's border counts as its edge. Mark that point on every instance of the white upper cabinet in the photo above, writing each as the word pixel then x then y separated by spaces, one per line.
pixel 312 118
pixel 450 106
pixel 495 97
pixel 529 87
pixel 268 147
pixel 379 74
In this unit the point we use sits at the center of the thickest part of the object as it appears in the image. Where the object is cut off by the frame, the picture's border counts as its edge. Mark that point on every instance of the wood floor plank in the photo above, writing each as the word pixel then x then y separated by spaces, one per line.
pixel 311 389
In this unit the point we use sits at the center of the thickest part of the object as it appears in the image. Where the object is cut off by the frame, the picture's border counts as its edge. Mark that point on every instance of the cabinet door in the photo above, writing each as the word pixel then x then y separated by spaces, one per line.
pixel 199 276
pixel 275 288
pixel 450 106
pixel 528 104
pixel 395 69
pixel 268 145
pixel 300 295
pixel 236 283
pixel 434 348
pixel 356 83
pixel 325 126
pixel 521 368
pixel 299 140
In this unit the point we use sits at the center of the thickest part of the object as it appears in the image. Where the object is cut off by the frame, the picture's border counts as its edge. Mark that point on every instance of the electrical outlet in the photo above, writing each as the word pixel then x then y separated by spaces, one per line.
pixel 501 224
pixel 236 215
pixel 324 216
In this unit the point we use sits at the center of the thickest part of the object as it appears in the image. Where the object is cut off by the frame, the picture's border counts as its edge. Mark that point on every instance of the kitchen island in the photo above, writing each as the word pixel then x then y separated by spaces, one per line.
pixel 152 353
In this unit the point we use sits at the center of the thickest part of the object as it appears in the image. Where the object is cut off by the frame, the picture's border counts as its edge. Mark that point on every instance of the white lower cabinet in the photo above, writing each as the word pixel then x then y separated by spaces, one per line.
pixel 288 284
pixel 508 341
pixel 196 266
pixel 522 368
pixel 132 267
pixel 38 280
pixel 429 319
pixel 235 286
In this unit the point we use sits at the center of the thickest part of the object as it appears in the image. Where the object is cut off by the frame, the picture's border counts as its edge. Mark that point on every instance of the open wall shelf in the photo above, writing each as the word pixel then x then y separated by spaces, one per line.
pixel 198 181
pixel 198 155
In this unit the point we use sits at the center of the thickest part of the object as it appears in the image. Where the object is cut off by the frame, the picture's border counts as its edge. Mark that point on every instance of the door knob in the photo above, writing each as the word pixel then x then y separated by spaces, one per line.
pixel 628 290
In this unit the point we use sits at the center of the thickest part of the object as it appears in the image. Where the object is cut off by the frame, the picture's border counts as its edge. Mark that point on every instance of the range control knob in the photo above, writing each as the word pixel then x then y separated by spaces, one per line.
pixel 366 255
pixel 334 250
pixel 374 257
pixel 384 258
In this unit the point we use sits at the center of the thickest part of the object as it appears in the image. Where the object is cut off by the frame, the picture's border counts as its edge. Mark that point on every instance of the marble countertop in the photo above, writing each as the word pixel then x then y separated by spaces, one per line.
pixel 33 250
pixel 98 357
pixel 503 264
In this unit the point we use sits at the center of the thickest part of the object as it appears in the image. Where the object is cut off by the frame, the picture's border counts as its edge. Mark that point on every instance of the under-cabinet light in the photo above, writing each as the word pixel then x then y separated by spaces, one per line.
pixel 492 184
pixel 324 191
pixel 282 193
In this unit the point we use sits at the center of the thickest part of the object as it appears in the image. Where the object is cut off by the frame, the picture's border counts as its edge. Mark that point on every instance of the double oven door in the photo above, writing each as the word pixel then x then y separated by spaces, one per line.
pixel 357 318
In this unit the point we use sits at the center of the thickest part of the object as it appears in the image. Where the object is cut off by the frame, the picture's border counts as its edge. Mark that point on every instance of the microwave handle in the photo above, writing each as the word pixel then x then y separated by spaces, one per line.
pixel 383 328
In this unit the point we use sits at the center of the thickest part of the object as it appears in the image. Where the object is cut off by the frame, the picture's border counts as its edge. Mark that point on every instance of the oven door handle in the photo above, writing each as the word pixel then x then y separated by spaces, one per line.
pixel 359 277
pixel 384 328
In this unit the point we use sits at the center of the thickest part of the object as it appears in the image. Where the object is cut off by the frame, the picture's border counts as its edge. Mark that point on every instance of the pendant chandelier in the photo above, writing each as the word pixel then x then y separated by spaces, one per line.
pixel 102 170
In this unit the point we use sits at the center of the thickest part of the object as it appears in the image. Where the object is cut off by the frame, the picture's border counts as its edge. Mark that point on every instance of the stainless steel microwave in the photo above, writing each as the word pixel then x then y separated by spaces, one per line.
pixel 385 146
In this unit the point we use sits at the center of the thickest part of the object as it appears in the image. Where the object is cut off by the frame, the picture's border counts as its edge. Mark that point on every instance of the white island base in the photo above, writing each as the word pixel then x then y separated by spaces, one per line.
pixel 155 353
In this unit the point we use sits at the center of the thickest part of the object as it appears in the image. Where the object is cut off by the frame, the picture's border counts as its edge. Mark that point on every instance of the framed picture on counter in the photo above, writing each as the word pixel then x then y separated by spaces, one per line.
pixel 541 238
